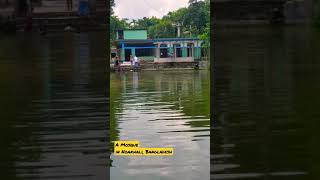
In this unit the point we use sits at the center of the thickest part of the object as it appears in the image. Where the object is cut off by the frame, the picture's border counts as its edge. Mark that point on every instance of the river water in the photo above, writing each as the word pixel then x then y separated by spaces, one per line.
pixel 54 106
pixel 265 115
pixel 266 104
pixel 162 109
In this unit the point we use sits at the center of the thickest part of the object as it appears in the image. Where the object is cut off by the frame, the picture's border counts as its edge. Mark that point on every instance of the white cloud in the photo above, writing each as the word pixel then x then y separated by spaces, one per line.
pixel 134 9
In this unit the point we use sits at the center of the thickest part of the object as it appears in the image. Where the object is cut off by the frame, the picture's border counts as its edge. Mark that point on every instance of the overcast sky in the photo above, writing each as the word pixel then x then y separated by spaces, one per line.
pixel 135 9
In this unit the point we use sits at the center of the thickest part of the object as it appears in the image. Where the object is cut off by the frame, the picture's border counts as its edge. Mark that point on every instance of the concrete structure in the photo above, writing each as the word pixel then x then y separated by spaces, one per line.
pixel 132 34
pixel 135 42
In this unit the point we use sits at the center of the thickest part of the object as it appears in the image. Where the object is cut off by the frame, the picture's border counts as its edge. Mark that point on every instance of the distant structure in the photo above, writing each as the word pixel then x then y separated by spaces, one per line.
pixel 162 50
pixel 262 11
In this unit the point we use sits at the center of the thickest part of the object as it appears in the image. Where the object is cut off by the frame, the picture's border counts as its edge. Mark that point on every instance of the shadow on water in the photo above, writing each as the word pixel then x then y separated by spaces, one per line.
pixel 266 99
pixel 53 105
pixel 162 109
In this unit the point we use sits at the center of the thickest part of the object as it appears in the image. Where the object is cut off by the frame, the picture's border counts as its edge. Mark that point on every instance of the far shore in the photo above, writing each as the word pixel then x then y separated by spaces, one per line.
pixel 163 66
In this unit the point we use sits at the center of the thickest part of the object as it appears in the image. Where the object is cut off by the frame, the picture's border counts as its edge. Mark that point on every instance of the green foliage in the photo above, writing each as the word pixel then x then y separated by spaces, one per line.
pixel 197 17
pixel 205 36
pixel 145 22
pixel 193 21
pixel 115 24
pixel 163 29
pixel 206 39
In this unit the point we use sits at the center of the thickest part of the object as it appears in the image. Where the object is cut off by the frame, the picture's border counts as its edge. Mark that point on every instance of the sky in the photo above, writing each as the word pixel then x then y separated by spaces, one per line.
pixel 136 9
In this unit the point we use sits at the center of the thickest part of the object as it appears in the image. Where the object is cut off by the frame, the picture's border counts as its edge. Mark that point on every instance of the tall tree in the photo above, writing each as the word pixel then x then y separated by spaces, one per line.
pixel 164 29
pixel 116 24
pixel 146 23
pixel 194 20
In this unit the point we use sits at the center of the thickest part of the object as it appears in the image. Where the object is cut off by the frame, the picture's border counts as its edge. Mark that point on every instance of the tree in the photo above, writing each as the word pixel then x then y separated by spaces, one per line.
pixel 116 24
pixel 145 23
pixel 163 29
pixel 193 19
pixel 197 16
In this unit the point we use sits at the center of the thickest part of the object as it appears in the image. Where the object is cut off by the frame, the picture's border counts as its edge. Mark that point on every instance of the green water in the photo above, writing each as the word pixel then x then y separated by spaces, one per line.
pixel 266 104
pixel 53 106
pixel 162 109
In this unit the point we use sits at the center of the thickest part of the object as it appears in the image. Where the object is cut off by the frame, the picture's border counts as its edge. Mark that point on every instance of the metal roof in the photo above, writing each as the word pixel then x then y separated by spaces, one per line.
pixel 155 40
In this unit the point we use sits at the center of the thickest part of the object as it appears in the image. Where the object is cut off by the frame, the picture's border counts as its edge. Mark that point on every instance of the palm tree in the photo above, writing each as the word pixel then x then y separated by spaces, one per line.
pixel 134 22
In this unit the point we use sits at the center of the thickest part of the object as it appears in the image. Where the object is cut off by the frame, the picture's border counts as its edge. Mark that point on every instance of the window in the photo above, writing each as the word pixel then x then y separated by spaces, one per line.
pixel 120 34
pixel 189 49
pixel 144 52
pixel 178 50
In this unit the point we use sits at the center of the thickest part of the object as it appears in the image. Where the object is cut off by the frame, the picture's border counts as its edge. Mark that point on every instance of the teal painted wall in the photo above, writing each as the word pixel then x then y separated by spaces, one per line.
pixel 197 53
pixel 170 50
pixel 184 52
pixel 133 52
pixel 122 55
pixel 137 34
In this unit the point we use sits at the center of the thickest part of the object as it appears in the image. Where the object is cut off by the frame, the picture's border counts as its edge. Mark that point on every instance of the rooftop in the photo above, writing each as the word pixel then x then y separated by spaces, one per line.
pixel 155 40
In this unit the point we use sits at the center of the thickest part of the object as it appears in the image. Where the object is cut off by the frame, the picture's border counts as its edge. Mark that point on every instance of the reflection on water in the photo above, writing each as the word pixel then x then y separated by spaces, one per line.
pixel 162 109
pixel 53 106
pixel 266 104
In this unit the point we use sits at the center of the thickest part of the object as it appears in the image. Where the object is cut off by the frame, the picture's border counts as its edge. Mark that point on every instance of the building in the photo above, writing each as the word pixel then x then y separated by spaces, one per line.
pixel 136 43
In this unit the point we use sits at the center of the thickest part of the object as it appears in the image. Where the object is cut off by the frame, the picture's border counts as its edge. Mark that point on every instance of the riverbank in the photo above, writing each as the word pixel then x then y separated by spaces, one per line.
pixel 151 66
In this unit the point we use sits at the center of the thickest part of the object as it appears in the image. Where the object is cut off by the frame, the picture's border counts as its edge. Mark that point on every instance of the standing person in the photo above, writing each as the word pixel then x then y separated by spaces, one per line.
pixel 117 63
pixel 136 61
pixel 131 61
